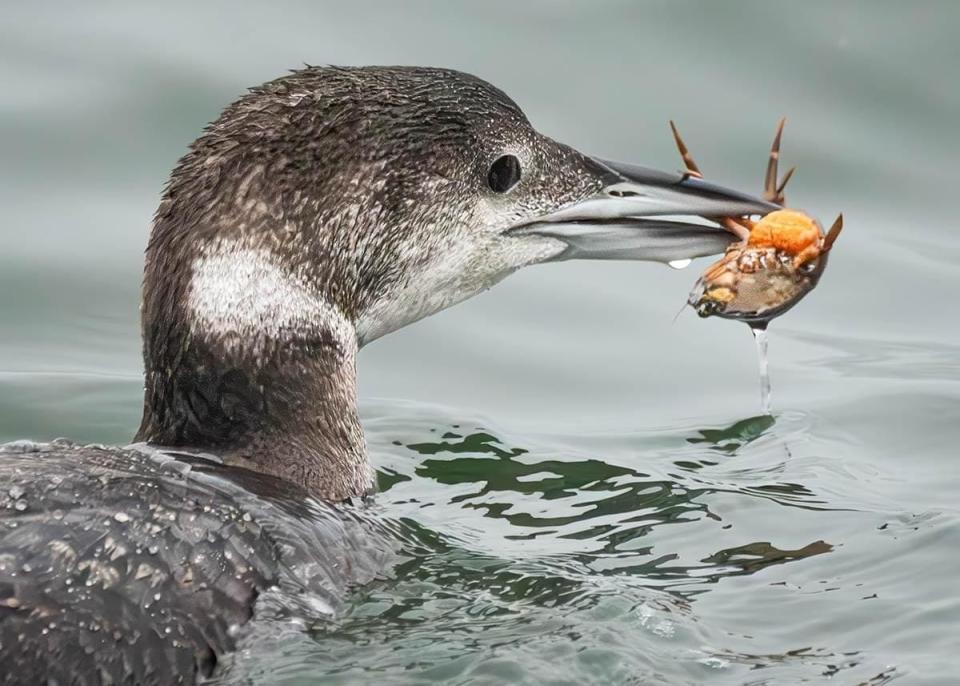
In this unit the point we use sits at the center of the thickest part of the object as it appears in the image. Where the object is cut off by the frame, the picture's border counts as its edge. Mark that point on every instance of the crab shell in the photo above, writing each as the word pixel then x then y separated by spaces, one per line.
pixel 790 232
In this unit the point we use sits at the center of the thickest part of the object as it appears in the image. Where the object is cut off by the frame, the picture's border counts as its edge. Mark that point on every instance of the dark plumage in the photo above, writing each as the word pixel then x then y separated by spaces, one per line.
pixel 124 566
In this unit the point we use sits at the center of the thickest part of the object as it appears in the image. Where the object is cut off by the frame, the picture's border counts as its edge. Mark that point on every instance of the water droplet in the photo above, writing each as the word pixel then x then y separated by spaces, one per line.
pixel 20 505
pixel 122 517
pixel 680 264
pixel 16 492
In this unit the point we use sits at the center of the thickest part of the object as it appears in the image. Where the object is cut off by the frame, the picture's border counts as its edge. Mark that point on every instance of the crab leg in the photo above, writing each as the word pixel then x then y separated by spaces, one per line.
pixel 772 190
pixel 833 233
pixel 692 168
pixel 778 198
pixel 729 223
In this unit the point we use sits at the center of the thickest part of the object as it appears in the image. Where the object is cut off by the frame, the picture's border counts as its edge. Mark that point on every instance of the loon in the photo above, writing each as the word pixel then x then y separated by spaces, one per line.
pixel 320 211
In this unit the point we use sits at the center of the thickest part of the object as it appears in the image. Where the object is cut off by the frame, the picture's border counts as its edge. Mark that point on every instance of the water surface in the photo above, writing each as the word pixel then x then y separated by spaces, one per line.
pixel 586 492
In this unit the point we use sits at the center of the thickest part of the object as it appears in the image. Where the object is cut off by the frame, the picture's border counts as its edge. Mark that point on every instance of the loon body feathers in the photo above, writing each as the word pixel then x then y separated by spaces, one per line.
pixel 134 566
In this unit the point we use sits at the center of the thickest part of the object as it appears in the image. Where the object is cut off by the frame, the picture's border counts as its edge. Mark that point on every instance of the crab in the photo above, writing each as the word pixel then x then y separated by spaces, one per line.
pixel 776 262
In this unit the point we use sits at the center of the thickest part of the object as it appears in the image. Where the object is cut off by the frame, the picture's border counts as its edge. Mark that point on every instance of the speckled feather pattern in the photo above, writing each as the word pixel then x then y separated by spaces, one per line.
pixel 123 566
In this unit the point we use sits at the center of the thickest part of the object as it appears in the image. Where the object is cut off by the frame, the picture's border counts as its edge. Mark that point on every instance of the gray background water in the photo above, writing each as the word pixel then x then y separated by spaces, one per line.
pixel 599 505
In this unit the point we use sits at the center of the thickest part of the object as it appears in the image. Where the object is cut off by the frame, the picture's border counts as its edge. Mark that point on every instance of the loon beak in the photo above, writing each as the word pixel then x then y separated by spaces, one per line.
pixel 645 214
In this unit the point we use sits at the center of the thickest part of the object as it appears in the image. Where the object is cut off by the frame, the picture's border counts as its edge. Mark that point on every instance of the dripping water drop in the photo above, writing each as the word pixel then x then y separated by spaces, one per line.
pixel 680 264
pixel 760 337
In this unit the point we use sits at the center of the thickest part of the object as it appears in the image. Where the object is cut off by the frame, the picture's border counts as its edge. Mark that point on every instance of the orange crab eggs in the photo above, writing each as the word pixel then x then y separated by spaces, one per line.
pixel 789 231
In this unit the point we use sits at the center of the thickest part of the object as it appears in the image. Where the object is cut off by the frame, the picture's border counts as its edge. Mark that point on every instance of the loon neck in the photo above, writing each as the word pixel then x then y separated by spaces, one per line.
pixel 242 362
pixel 309 428
pixel 292 416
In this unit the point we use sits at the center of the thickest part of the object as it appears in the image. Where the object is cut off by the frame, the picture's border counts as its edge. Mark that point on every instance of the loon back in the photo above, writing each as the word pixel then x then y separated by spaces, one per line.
pixel 129 566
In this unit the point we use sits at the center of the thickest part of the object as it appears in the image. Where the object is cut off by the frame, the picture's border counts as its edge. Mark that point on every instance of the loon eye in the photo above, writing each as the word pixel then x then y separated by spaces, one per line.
pixel 504 173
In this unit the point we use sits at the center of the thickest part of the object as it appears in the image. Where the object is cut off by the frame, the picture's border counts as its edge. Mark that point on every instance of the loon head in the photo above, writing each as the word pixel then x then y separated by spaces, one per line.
pixel 332 206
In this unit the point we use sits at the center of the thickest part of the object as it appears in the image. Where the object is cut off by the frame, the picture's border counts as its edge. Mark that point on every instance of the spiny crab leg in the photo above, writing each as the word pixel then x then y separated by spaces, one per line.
pixel 692 168
pixel 779 199
pixel 833 233
pixel 729 223
pixel 773 191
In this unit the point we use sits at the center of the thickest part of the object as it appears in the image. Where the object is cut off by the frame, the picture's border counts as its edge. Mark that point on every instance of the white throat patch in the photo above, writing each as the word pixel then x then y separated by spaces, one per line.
pixel 244 296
